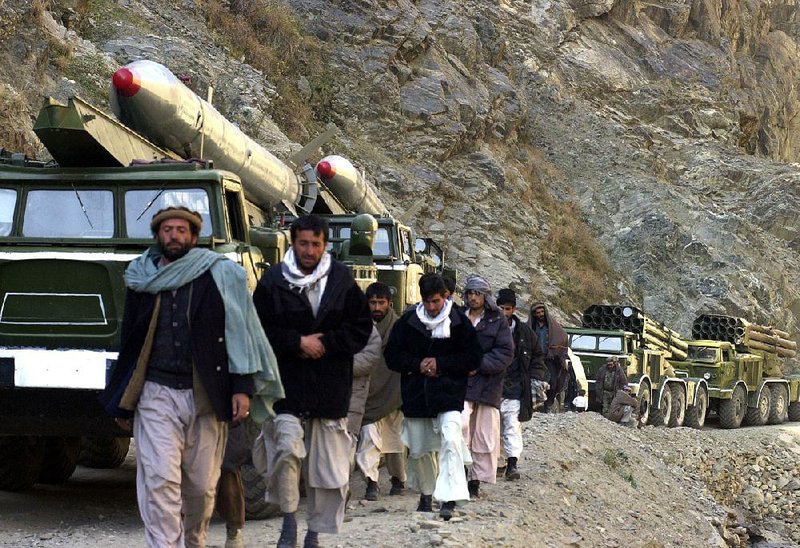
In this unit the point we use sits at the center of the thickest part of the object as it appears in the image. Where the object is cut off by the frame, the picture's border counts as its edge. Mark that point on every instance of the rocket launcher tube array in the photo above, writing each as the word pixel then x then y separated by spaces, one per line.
pixel 149 99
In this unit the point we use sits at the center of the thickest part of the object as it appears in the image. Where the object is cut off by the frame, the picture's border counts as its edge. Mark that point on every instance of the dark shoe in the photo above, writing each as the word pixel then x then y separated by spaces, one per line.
pixel 511 469
pixel 474 487
pixel 425 503
pixel 446 511
pixel 372 490
pixel 398 487
pixel 288 538
pixel 312 540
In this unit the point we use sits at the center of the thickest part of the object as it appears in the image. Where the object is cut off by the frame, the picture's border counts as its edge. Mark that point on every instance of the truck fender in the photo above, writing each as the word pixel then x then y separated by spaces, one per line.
pixel 693 387
pixel 753 397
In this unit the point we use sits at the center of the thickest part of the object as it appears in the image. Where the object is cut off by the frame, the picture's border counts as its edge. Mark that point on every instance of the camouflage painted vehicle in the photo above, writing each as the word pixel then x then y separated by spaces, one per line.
pixel 666 397
pixel 744 385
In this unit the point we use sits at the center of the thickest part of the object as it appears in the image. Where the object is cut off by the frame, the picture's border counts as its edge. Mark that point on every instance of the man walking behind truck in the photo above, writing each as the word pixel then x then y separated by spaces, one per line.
pixel 190 346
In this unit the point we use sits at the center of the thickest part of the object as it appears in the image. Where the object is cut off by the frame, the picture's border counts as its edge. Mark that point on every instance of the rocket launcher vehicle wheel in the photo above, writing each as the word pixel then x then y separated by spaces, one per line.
pixel 732 411
pixel 661 416
pixel 20 461
pixel 678 411
pixel 758 415
pixel 696 414
pixel 645 402
pixel 103 451
pixel 780 399
pixel 794 411
pixel 60 459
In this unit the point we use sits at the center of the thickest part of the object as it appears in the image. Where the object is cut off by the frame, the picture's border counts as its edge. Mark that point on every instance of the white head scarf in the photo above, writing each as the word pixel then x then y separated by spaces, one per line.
pixel 312 284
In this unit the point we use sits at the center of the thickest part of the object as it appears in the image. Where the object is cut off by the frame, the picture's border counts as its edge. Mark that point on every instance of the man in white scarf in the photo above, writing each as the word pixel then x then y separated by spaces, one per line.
pixel 434 348
pixel 317 319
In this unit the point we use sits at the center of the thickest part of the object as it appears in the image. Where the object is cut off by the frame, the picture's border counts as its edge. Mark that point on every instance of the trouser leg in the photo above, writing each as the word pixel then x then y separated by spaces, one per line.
pixel 396 465
pixel 424 471
pixel 285 451
pixel 328 446
pixel 451 484
pixel 484 443
pixel 158 428
pixel 368 455
pixel 202 458
pixel 230 498
pixel 511 427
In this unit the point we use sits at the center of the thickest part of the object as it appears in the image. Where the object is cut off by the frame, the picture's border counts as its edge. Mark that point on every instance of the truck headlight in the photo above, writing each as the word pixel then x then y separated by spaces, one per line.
pixel 706 375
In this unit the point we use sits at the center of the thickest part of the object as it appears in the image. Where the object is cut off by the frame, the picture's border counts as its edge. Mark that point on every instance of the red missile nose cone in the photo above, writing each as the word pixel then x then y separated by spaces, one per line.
pixel 126 82
pixel 325 169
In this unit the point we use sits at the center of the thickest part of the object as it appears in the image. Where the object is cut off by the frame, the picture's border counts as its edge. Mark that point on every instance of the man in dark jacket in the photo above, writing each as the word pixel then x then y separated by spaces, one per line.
pixel 316 318
pixel 434 348
pixel 480 420
pixel 609 380
pixel 553 341
pixel 517 403
pixel 177 377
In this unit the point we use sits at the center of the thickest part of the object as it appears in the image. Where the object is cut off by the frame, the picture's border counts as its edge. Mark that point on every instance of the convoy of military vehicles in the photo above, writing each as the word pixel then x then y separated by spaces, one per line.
pixel 70 226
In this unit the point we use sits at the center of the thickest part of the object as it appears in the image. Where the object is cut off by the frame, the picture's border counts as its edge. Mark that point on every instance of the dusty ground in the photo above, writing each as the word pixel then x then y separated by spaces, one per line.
pixel 585 482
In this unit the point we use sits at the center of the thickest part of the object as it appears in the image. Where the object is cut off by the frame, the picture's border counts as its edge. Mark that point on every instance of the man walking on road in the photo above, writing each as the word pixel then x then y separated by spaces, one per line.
pixel 434 348
pixel 481 416
pixel 553 341
pixel 316 318
pixel 190 346
pixel 517 403
pixel 383 419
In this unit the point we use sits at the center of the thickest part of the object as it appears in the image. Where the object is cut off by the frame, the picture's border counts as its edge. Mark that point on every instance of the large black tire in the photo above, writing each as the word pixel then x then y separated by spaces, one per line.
pixel 661 416
pixel 103 451
pixel 60 459
pixel 696 414
pixel 758 415
pixel 794 411
pixel 645 397
pixel 780 404
pixel 732 411
pixel 20 461
pixel 678 411
pixel 255 507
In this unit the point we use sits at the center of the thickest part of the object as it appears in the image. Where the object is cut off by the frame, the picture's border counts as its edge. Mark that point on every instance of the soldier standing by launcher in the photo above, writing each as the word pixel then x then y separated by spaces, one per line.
pixel 316 318
pixel 517 403
pixel 434 348
pixel 480 419
pixel 383 419
pixel 185 369
pixel 553 341
pixel 609 380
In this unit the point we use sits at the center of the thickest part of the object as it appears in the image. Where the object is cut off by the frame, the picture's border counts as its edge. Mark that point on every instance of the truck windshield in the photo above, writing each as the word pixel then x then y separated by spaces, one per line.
pixel 8 199
pixel 612 344
pixel 583 342
pixel 381 241
pixel 141 205
pixel 702 353
pixel 76 213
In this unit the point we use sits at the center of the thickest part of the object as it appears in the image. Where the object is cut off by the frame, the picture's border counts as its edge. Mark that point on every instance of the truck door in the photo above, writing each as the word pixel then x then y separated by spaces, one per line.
pixel 236 219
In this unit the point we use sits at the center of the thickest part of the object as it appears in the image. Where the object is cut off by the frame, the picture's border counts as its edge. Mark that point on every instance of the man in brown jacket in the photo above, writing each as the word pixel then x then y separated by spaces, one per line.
pixel 623 407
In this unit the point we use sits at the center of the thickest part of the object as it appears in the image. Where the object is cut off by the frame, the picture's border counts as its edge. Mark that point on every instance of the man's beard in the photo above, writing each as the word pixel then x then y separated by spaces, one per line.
pixel 175 253
pixel 377 316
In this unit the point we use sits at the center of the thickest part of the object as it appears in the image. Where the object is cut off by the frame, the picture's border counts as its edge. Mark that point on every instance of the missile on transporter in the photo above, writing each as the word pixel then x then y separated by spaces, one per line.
pixel 349 185
pixel 148 98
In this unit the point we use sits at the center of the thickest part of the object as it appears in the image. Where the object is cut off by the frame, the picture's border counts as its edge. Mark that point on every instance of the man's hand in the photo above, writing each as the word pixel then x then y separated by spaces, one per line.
pixel 125 424
pixel 311 346
pixel 241 407
pixel 428 367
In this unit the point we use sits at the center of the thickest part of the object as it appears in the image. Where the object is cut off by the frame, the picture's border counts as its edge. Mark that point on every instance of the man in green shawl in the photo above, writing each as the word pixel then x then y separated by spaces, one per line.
pixel 192 355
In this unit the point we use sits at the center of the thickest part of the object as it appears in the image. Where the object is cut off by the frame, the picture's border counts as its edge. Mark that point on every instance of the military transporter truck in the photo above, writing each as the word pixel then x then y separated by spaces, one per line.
pixel 644 349
pixel 742 364
pixel 69 229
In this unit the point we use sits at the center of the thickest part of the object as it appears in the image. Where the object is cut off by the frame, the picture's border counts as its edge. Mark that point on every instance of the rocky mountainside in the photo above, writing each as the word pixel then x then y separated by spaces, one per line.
pixel 576 151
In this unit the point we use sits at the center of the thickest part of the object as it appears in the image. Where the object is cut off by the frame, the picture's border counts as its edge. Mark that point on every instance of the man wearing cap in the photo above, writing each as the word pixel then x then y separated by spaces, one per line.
pixel 317 319
pixel 517 403
pixel 190 345
pixel 609 380
pixel 480 420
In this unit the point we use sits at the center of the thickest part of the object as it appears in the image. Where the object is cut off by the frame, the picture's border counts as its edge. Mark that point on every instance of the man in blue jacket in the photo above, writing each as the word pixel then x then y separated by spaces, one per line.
pixel 316 318
pixel 434 348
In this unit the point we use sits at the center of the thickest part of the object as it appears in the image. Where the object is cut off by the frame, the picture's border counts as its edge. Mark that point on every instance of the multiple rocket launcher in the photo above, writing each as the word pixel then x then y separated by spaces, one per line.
pixel 715 327
pixel 151 100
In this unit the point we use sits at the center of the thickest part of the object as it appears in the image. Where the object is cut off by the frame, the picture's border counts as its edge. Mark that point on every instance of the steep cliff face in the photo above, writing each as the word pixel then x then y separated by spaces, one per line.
pixel 668 128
